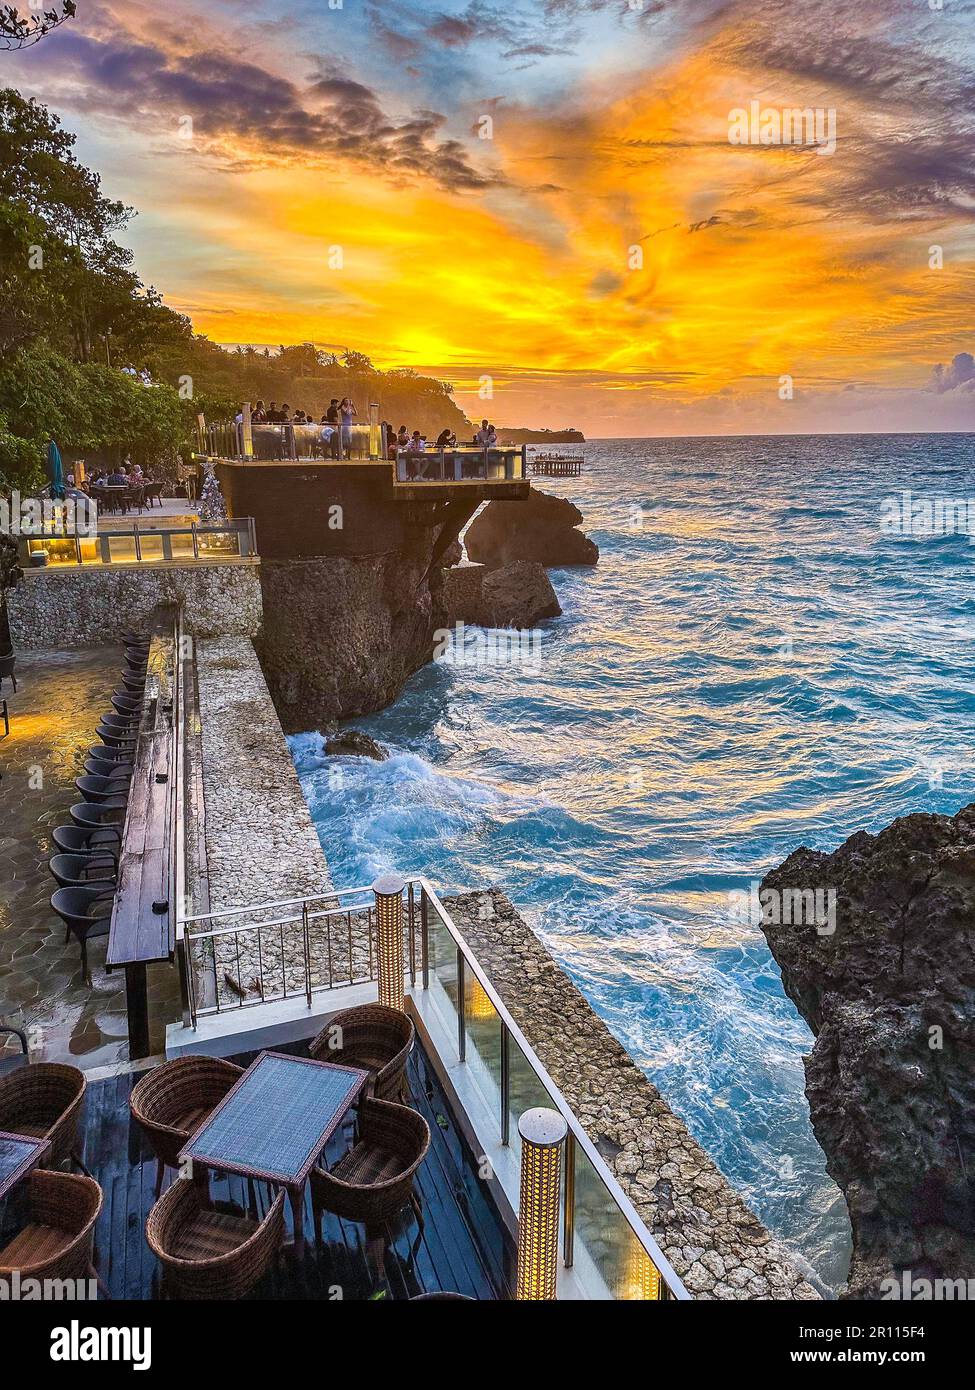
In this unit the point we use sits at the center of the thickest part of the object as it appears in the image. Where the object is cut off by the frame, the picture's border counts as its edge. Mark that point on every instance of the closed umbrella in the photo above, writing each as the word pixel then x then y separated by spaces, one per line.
pixel 55 470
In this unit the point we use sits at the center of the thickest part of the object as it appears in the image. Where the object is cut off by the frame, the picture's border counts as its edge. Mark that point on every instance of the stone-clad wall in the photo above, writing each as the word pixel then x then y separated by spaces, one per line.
pixel 261 843
pixel 715 1243
pixel 87 605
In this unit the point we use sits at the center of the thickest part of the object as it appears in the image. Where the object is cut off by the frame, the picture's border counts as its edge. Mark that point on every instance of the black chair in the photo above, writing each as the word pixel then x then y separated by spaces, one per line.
pixel 102 789
pixel 124 723
pixel 80 839
pixel 119 742
pixel 96 816
pixel 126 705
pixel 78 870
pixel 105 767
pixel 85 911
pixel 132 638
pixel 103 754
pixel 7 663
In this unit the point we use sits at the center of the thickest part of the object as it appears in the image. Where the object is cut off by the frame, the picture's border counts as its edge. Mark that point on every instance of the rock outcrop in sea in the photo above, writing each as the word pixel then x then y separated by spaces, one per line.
pixel 518 595
pixel 355 744
pixel 543 529
pixel 890 996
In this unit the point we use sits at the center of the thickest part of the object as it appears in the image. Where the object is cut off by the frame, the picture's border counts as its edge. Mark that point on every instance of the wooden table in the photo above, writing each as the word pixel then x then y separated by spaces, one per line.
pixel 143 928
pixel 275 1122
pixel 19 1153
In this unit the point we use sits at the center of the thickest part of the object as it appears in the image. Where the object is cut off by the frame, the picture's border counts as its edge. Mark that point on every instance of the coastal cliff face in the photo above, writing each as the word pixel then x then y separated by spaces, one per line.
pixel 341 636
pixel 890 995
pixel 542 529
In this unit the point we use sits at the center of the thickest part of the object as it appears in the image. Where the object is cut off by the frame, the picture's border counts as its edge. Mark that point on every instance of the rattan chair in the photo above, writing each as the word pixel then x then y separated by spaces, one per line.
pixel 207 1254
pixel 174 1099
pixel 374 1180
pixel 44 1100
pixel 377 1039
pixel 57 1240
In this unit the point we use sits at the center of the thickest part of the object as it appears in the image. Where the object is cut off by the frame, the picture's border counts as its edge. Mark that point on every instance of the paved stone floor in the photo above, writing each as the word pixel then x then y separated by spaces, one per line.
pixel 53 716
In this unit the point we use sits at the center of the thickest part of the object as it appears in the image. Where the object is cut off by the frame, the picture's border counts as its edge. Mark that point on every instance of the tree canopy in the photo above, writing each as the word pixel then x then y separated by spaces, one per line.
pixel 73 312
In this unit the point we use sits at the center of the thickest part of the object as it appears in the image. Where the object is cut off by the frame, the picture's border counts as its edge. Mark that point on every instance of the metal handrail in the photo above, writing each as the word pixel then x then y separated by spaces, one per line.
pixel 466 961
pixel 660 1261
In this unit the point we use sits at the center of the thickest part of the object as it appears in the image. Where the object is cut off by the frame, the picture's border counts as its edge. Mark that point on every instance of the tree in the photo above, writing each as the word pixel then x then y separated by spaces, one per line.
pixel 17 32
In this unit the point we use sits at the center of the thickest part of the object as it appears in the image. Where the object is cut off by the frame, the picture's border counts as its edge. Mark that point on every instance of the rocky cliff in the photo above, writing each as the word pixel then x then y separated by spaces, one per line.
pixel 890 995
pixel 543 529
pixel 518 595
pixel 342 636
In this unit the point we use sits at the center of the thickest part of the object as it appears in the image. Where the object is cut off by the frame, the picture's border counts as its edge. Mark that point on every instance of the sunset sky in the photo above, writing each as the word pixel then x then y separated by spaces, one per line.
pixel 255 138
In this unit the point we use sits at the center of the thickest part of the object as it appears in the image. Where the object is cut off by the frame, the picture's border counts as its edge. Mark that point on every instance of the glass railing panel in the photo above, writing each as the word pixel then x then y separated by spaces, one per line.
pixel 525 1091
pixel 442 964
pixel 605 1237
pixel 151 548
pixel 483 1029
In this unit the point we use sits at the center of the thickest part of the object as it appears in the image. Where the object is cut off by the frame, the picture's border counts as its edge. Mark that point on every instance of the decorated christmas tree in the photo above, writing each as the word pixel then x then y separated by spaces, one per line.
pixel 213 512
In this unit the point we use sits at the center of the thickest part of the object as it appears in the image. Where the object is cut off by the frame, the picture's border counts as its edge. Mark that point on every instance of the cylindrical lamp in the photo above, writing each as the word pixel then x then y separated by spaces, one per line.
pixel 542 1141
pixel 389 917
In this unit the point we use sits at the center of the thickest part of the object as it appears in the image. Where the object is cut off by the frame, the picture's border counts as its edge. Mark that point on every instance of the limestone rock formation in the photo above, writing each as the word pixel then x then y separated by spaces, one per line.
pixel 543 528
pixel 354 743
pixel 453 554
pixel 518 595
pixel 890 995
pixel 342 635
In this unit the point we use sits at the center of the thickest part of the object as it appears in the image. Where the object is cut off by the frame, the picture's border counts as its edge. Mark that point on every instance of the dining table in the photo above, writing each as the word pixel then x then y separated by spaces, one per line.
pixel 274 1124
pixel 19 1153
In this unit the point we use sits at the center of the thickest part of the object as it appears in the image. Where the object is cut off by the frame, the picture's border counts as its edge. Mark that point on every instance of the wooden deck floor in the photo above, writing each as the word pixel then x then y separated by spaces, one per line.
pixel 464 1247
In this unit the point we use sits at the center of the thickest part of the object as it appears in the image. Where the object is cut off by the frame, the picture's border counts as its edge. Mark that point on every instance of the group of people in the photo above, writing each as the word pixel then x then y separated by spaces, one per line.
pixel 403 442
pixel 335 425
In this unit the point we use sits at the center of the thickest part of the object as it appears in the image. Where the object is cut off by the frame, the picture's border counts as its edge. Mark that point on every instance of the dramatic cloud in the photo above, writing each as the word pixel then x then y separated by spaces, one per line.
pixel 251 113
pixel 961 373
pixel 605 254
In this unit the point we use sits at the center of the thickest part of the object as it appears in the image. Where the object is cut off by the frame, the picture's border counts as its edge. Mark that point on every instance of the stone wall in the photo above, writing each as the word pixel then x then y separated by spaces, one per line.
pixel 87 605
pixel 715 1243
pixel 261 843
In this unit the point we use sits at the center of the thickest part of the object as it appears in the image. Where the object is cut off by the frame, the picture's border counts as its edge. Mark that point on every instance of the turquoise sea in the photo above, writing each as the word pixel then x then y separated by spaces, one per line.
pixel 754 664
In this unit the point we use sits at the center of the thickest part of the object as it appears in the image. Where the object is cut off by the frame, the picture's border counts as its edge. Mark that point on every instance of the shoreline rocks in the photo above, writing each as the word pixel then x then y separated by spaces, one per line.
pixel 518 595
pixel 542 529
pixel 890 995
pixel 354 743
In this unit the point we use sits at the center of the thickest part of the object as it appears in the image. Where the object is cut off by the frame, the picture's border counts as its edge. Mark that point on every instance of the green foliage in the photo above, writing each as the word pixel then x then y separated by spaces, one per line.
pixel 87 408
pixel 73 311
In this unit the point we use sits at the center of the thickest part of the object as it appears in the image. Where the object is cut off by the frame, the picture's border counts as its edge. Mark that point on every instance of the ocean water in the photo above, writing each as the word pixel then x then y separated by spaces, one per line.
pixel 753 665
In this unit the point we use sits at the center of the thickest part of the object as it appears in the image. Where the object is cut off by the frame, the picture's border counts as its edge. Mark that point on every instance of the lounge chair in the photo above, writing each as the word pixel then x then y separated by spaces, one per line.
pixel 207 1254
pixel 44 1101
pixel 57 1240
pixel 174 1099
pixel 374 1180
pixel 376 1038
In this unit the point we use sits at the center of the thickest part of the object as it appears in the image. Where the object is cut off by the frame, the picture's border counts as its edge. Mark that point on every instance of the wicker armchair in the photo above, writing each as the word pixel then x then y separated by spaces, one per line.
pixel 207 1254
pixel 172 1101
pixel 374 1180
pixel 44 1101
pixel 373 1037
pixel 58 1238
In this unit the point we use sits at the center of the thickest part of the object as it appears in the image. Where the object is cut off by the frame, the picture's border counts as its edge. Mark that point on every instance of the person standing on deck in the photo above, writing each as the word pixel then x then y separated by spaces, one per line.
pixel 347 413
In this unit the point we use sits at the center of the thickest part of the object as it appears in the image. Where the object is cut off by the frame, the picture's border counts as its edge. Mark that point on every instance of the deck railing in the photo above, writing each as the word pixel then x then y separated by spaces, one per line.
pixel 238 958
pixel 229 540
pixel 498 464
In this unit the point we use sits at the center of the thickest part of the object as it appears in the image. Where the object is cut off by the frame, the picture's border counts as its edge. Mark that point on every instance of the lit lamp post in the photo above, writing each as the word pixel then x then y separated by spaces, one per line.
pixel 542 1141
pixel 389 917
